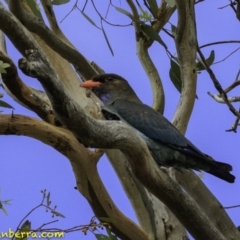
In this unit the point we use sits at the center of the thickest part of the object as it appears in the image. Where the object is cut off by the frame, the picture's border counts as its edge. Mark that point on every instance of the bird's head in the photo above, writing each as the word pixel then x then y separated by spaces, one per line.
pixel 109 87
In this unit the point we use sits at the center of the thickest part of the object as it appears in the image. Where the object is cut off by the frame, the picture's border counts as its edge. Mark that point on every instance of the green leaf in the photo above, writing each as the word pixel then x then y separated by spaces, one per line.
pixel 111 236
pixel 6 105
pixel 209 61
pixel 23 231
pixel 48 199
pixel 89 19
pixel 108 43
pixel 34 8
pixel 141 9
pixel 123 11
pixel 3 66
pixel 7 201
pixel 146 16
pixel 174 30
pixel 175 75
pixel 102 237
pixel 26 226
pixel 59 2
pixel 153 7
pixel 58 214
pixel 148 30
pixel 171 3
pixel 107 220
pixel 4 210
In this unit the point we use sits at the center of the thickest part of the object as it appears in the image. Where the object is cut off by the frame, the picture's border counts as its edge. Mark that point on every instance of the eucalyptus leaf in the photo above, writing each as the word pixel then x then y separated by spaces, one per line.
pixel 173 29
pixel 108 43
pixel 58 214
pixel 26 226
pixel 7 202
pixel 153 7
pixel 125 12
pixel 141 9
pixel 111 236
pixel 22 234
pixel 101 237
pixel 48 199
pixel 3 66
pixel 34 8
pixel 59 2
pixel 6 105
pixel 149 31
pixel 171 3
pixel 89 19
pixel 209 61
pixel 175 75
pixel 107 220
pixel 4 210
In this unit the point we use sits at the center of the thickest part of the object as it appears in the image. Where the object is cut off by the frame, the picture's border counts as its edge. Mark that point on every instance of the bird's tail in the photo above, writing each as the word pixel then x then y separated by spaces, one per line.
pixel 221 170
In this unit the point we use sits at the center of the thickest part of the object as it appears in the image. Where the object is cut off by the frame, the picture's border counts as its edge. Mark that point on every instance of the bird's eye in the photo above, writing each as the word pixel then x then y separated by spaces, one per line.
pixel 109 79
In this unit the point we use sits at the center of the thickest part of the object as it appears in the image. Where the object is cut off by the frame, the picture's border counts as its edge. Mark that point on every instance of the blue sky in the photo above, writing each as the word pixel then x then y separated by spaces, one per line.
pixel 29 166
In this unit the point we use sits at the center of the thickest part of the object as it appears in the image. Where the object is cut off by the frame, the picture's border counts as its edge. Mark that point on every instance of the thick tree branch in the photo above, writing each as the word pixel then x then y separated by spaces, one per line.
pixel 35 25
pixel 87 178
pixel 25 95
pixel 154 217
pixel 147 63
pixel 52 57
pixel 117 135
pixel 145 169
pixel 186 45
pixel 23 40
pixel 208 203
pixel 48 9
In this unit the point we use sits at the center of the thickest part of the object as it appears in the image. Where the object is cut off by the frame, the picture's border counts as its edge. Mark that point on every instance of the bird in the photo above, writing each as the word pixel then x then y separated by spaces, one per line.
pixel 169 148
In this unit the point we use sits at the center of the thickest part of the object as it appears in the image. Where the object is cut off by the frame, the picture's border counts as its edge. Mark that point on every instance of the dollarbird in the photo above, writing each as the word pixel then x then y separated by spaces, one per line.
pixel 167 145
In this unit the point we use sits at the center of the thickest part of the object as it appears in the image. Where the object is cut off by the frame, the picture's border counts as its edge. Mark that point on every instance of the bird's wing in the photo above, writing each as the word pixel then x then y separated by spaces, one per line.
pixel 153 125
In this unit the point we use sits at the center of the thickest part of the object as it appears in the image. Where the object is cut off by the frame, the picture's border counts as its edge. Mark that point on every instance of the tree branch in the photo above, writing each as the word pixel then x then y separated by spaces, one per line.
pixel 23 40
pixel 154 217
pixel 117 135
pixel 26 96
pixel 217 85
pixel 35 25
pixel 186 45
pixel 220 99
pixel 208 203
pixel 87 178
pixel 147 63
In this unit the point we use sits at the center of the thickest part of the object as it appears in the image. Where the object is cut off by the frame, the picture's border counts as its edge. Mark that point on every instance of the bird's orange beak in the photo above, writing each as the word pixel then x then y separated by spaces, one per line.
pixel 90 84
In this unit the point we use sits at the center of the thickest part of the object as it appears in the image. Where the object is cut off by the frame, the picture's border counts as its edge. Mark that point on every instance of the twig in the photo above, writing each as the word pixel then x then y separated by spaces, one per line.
pixel 219 42
pixel 234 126
pixel 103 19
pixel 20 223
pixel 227 56
pixel 232 86
pixel 235 206
pixel 74 7
pixel 219 99
pixel 45 224
pixel 217 84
